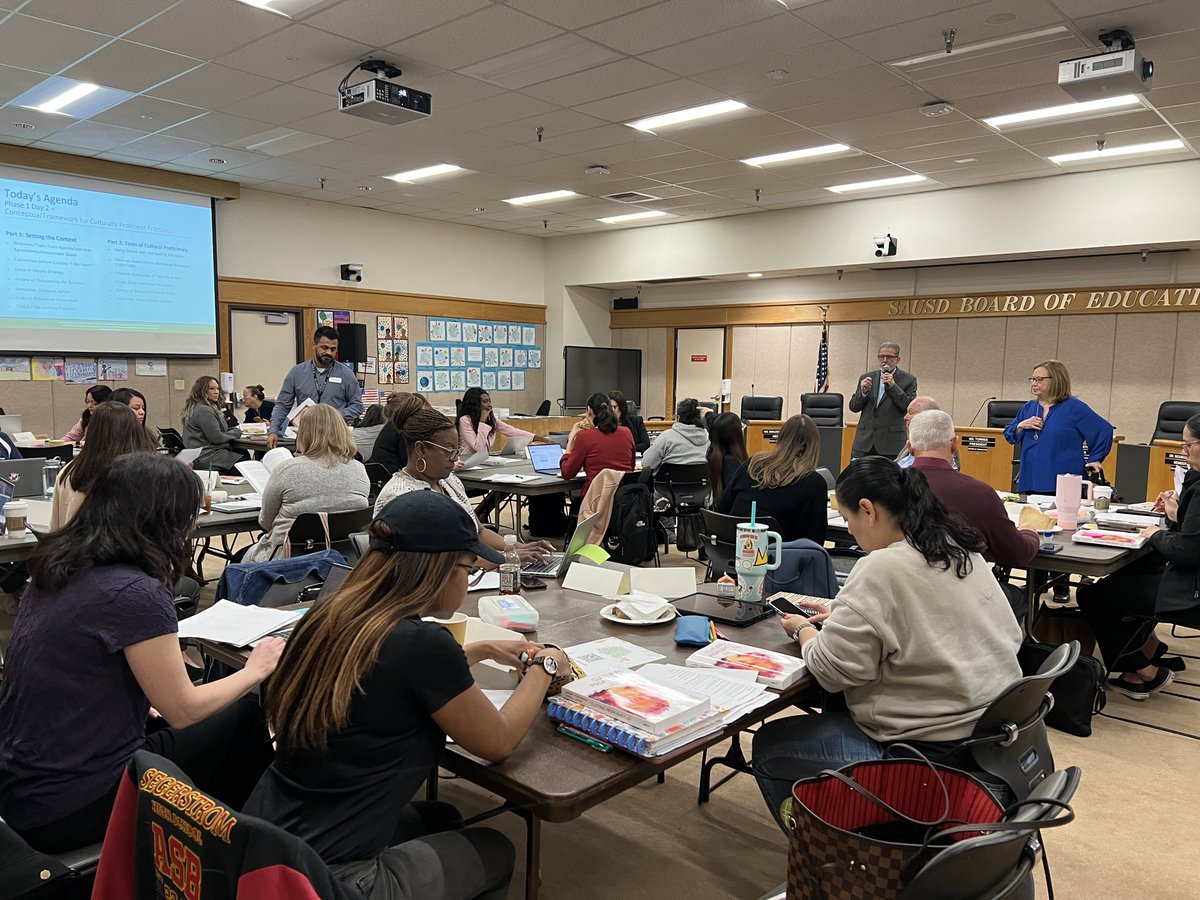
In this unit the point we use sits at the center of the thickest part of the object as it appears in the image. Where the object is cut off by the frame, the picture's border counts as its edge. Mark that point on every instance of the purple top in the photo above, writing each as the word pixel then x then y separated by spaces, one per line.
pixel 72 712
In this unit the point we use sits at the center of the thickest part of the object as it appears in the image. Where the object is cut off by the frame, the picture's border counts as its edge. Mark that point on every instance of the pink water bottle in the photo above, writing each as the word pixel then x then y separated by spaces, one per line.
pixel 1067 494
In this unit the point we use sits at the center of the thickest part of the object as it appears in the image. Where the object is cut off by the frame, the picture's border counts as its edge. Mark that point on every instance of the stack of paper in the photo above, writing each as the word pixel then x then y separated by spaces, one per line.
pixel 733 692
pixel 240 626
pixel 608 655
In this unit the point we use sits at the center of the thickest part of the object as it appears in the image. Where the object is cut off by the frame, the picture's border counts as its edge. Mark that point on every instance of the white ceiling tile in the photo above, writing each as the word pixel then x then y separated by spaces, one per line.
pixel 217 128
pixel 288 171
pixel 750 77
pixel 14 82
pixel 233 159
pixel 670 162
pixel 42 46
pixel 212 85
pixel 619 154
pixel 743 43
pixel 206 29
pixel 416 75
pixel 1010 101
pixel 739 137
pixel 109 18
pixel 294 52
pixel 503 159
pixel 576 15
pixel 872 174
pixel 490 32
pixel 1076 144
pixel 983 162
pixel 676 21
pixel 130 67
pixel 932 133
pixel 382 22
pixel 844 17
pixel 161 148
pixel 555 122
pixel 1147 19
pixel 839 87
pixel 1178 45
pixel 1188 112
pixel 449 89
pixel 147 114
pixel 596 84
pixel 977 146
pixel 494 111
pixel 867 115
pixel 337 124
pixel 44 124
pixel 281 105
pixel 93 136
pixel 666 97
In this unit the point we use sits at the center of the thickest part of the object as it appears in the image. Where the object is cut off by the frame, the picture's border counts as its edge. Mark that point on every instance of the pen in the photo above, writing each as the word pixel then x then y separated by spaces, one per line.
pixel 585 738
pixel 720 633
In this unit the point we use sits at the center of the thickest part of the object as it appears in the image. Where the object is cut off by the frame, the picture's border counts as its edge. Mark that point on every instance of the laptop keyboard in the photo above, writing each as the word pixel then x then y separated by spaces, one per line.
pixel 547 567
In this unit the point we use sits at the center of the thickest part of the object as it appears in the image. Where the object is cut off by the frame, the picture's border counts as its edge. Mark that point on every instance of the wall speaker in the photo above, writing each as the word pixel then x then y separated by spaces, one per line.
pixel 625 303
pixel 352 343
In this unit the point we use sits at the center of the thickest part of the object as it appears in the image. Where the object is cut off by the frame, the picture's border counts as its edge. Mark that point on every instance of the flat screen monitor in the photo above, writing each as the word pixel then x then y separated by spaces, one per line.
pixel 103 268
pixel 589 370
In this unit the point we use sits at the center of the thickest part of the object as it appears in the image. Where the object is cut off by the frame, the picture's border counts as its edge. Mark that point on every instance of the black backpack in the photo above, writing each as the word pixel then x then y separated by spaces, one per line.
pixel 631 538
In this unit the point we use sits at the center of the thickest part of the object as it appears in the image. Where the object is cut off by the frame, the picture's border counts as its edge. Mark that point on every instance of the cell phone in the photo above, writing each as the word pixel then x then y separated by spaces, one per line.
pixel 530 583
pixel 786 607
pixel 1052 548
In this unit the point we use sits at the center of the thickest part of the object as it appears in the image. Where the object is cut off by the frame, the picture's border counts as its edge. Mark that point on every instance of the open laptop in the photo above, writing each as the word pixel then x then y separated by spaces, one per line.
pixel 546 458
pixel 555 564
pixel 28 480
pixel 337 574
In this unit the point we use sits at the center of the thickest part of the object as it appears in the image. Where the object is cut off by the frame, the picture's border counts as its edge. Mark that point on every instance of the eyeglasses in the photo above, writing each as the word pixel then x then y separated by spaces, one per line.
pixel 474 573
pixel 1188 445
pixel 453 452
pixel 884 357
pixel 1038 379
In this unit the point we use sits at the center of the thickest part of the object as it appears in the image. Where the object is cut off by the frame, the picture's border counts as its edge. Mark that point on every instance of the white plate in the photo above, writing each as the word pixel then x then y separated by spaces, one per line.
pixel 607 613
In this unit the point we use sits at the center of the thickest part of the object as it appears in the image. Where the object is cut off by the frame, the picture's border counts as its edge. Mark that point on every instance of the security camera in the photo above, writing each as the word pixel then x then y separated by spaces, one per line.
pixel 885 246
pixel 352 271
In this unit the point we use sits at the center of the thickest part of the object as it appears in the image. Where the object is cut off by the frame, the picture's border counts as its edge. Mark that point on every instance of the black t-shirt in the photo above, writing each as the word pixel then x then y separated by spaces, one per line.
pixel 344 801
pixel 390 450
pixel 799 508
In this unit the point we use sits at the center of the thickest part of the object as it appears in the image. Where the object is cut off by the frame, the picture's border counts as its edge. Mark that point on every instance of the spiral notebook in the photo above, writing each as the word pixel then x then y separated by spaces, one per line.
pixel 625 737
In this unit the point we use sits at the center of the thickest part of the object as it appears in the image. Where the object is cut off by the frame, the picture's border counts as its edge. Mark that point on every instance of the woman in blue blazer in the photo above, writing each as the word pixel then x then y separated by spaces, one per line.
pixel 1052 430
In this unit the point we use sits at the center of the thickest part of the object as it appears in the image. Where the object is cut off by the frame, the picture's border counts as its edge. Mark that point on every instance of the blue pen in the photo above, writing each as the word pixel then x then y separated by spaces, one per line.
pixel 585 738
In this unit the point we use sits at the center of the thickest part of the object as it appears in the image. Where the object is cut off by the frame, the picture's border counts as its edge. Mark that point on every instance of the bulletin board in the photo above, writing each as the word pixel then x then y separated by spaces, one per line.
pixel 466 353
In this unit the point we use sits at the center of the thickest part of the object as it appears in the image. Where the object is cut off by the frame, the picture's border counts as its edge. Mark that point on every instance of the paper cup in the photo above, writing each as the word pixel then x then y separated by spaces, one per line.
pixel 1102 497
pixel 209 479
pixel 16 512
pixel 456 625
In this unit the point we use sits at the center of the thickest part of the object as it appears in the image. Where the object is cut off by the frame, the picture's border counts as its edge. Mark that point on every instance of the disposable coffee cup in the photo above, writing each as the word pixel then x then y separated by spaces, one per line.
pixel 210 478
pixel 456 625
pixel 833 504
pixel 15 514
pixel 1102 497
pixel 219 496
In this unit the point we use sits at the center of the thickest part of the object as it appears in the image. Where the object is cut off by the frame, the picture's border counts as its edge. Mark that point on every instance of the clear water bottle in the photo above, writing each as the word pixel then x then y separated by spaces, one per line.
pixel 510 569
pixel 50 472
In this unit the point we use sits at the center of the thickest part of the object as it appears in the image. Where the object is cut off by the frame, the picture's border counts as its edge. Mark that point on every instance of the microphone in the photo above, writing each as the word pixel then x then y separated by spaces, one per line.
pixel 978 411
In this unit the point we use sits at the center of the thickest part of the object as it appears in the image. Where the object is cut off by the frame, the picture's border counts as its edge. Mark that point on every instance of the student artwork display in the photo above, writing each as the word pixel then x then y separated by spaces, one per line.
pixel 14 368
pixel 391 333
pixel 462 354
pixel 49 368
pixel 156 368
pixel 113 369
pixel 80 371
pixel 332 317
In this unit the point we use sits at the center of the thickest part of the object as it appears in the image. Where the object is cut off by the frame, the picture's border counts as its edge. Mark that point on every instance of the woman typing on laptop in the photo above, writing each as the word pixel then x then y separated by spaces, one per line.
pixel 478 426
pixel 433 448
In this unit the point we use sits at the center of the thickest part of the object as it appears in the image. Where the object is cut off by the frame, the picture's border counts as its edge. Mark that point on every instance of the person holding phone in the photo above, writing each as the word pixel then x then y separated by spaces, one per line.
pixel 920 638
pixel 881 401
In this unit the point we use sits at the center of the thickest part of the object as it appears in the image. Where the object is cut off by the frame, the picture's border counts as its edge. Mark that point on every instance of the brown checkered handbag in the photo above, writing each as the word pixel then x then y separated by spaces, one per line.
pixel 863 832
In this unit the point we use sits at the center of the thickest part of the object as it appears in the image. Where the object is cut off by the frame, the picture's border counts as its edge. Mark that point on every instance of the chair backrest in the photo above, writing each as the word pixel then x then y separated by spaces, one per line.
pixel 986 867
pixel 830 481
pixel 755 408
pixel 844 560
pixel 826 409
pixel 804 568
pixel 685 484
pixel 720 528
pixel 544 408
pixel 28 872
pixel 1009 740
pixel 378 476
pixel 308 533
pixel 171 439
pixel 1001 412
pixel 1172 416
pixel 163 828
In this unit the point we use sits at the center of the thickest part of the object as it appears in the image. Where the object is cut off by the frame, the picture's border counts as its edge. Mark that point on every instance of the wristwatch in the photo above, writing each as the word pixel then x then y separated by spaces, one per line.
pixel 800 628
pixel 549 663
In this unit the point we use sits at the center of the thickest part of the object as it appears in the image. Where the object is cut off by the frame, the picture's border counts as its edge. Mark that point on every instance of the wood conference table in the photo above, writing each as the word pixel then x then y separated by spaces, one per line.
pixel 532 485
pixel 550 778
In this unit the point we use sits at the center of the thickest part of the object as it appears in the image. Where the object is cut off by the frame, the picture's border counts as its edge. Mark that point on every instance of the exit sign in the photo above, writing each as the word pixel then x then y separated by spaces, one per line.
pixel 699 357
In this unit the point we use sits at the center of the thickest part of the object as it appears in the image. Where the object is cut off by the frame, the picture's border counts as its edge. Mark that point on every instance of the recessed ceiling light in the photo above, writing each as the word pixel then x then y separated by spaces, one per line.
pixel 968 159
pixel 541 198
pixel 427 172
pixel 754 274
pixel 25 125
pixel 999 19
pixel 597 170
pixel 874 185
pixel 789 155
pixel 687 115
pixel 67 97
pixel 1066 110
pixel 365 187
pixel 216 160
pixel 961 49
pixel 1087 155
pixel 481 209
pixel 147 118
pixel 633 217
pixel 265 4
pixel 777 74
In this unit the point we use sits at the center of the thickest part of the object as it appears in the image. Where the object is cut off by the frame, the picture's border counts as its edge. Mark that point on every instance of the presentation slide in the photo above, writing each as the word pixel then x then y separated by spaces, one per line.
pixel 90 267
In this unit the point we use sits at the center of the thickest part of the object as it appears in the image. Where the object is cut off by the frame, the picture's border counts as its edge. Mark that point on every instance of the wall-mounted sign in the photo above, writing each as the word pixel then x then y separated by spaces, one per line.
pixel 699 357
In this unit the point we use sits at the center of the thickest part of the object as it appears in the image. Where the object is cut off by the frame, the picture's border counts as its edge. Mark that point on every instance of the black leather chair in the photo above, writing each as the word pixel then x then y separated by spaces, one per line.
pixel 1172 416
pixel 720 540
pixel 308 533
pixel 543 408
pixel 1001 412
pixel 758 409
pixel 24 872
pixel 824 409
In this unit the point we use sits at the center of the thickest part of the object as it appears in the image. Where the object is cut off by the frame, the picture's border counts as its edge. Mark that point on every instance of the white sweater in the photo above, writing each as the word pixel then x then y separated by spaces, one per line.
pixel 918 651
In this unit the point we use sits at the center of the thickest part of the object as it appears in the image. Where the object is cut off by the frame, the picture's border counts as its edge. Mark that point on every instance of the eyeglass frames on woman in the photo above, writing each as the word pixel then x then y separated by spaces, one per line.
pixel 453 452
pixel 1038 379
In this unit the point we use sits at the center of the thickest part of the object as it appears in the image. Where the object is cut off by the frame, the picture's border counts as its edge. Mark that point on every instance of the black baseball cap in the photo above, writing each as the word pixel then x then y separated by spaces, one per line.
pixel 429 522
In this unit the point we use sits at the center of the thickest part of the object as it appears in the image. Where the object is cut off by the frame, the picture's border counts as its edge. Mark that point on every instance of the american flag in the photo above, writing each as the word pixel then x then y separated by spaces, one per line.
pixel 822 384
pixel 370 395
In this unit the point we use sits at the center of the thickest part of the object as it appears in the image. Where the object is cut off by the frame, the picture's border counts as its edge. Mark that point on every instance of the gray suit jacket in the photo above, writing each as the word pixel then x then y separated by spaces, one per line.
pixel 882 427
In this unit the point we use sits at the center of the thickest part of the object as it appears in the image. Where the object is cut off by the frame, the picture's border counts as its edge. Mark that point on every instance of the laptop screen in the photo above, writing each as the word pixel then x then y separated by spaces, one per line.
pixel 337 574
pixel 545 457
pixel 6 488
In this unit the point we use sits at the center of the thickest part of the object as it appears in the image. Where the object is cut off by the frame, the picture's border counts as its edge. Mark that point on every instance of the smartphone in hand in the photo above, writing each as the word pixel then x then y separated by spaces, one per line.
pixel 785 607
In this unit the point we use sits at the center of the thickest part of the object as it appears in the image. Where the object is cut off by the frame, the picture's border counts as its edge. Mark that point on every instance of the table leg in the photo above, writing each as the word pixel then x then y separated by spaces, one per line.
pixel 533 856
pixel 1031 600
pixel 431 785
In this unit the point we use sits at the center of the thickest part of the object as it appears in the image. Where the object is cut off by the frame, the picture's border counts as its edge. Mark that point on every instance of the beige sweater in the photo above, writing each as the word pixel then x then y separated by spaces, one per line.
pixel 918 651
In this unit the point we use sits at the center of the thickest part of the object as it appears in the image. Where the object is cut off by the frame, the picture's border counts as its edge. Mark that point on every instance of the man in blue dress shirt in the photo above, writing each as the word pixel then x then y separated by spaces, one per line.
pixel 321 379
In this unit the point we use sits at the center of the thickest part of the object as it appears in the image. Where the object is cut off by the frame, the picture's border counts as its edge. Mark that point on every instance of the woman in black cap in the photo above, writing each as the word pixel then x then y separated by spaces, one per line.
pixel 364 697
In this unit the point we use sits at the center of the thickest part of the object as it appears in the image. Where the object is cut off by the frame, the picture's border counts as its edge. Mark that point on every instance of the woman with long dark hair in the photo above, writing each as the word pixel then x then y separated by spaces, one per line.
pixel 626 419
pixel 920 638
pixel 113 431
pixel 94 645
pixel 136 401
pixel 205 427
pixel 93 397
pixel 726 451
pixel 478 426
pixel 597 443
pixel 784 483
pixel 365 696
pixel 685 442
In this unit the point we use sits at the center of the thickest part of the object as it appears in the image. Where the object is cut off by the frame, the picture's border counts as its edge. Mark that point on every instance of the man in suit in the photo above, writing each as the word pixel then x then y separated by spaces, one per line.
pixel 882 400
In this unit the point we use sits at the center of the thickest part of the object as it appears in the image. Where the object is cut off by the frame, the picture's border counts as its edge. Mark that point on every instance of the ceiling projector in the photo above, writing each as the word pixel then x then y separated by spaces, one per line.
pixel 383 101
pixel 1120 70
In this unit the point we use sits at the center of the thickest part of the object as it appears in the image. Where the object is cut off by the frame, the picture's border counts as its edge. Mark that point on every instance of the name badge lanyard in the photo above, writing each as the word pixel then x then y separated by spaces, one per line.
pixel 320 384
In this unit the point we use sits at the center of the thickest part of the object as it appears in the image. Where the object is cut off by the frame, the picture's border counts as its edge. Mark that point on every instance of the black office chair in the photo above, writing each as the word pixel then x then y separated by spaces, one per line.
pixel 685 486
pixel 171 439
pixel 310 533
pixel 28 873
pixel 830 480
pixel 378 476
pixel 999 414
pixel 1172 416
pixel 544 408
pixel 844 560
pixel 826 409
pixel 720 540
pixel 631 407
pixel 760 409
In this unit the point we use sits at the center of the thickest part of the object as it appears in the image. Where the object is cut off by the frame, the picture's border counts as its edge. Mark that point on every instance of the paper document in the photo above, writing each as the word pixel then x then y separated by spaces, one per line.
pixel 738 694
pixel 489 582
pixel 257 472
pixel 672 582
pixel 601 581
pixel 513 478
pixel 475 458
pixel 594 552
pixel 232 623
pixel 300 407
pixel 608 655
pixel 189 456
